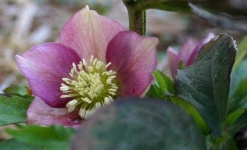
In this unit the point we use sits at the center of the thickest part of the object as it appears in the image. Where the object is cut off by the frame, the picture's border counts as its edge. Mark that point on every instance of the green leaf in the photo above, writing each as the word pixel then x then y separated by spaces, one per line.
pixel 231 118
pixel 242 51
pixel 13 109
pixel 52 137
pixel 181 65
pixel 239 123
pixel 163 86
pixel 155 92
pixel 163 81
pixel 206 83
pixel 139 124
pixel 13 144
pixel 239 98
pixel 18 90
pixel 238 90
pixel 191 110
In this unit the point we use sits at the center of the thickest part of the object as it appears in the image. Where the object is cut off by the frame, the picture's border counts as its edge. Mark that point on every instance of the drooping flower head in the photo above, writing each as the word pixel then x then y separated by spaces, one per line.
pixel 186 54
pixel 94 62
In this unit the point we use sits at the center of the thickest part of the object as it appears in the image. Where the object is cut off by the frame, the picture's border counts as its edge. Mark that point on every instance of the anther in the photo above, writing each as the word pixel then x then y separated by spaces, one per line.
pixel 90 87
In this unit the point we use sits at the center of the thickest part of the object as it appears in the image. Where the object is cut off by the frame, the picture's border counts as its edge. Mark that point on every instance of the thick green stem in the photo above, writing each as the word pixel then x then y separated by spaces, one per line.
pixel 137 18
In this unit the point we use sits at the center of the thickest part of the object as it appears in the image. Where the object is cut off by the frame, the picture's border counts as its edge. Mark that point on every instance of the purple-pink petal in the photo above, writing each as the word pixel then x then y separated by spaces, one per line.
pixel 208 38
pixel 44 66
pixel 42 114
pixel 133 57
pixel 173 60
pixel 186 50
pixel 198 47
pixel 88 33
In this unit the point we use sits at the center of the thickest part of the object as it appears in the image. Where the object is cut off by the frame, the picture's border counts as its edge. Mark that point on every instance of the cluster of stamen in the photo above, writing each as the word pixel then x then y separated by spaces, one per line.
pixel 90 87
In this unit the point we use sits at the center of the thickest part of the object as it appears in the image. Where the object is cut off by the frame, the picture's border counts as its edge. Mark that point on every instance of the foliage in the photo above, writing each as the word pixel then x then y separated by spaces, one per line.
pixel 132 124
pixel 13 109
pixel 206 102
pixel 50 138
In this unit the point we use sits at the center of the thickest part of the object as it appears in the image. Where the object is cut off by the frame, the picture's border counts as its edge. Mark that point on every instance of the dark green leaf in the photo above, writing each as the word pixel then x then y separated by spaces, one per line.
pixel 221 143
pixel 13 109
pixel 231 7
pixel 13 144
pixel 167 5
pixel 52 138
pixel 203 9
pixel 222 20
pixel 225 143
pixel 139 124
pixel 206 83
pixel 230 144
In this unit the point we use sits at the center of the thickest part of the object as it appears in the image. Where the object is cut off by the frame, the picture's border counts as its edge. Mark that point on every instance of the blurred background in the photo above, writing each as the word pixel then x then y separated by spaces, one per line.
pixel 25 23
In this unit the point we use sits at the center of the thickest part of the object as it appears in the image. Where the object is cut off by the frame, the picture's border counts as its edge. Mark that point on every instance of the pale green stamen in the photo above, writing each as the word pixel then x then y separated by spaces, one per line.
pixel 91 86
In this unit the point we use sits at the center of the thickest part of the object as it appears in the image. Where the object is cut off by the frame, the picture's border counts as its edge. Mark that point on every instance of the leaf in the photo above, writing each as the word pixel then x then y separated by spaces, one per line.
pixel 239 123
pixel 205 84
pixel 231 7
pixel 155 92
pixel 242 51
pixel 18 90
pixel 167 5
pixel 221 143
pixel 139 124
pixel 238 90
pixel 222 20
pixel 163 86
pixel 13 144
pixel 231 118
pixel 52 137
pixel 190 109
pixel 225 143
pixel 13 109
pixel 163 81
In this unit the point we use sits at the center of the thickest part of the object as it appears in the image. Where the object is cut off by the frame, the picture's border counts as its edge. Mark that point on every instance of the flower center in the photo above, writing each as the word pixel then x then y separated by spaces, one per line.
pixel 91 86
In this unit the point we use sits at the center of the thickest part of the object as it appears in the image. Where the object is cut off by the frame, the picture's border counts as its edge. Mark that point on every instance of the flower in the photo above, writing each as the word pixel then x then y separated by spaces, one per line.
pixel 95 61
pixel 186 54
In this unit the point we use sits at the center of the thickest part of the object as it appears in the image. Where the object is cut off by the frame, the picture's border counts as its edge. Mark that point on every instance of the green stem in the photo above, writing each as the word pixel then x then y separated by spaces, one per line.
pixel 137 18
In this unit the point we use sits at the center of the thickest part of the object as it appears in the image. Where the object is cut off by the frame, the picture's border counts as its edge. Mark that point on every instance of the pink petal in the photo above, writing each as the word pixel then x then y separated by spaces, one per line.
pixel 198 47
pixel 187 49
pixel 44 66
pixel 42 114
pixel 194 54
pixel 208 38
pixel 88 33
pixel 173 60
pixel 134 59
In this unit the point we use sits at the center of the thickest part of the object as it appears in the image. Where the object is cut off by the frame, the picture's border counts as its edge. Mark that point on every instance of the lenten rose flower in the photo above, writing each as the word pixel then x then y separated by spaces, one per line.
pixel 186 54
pixel 95 61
